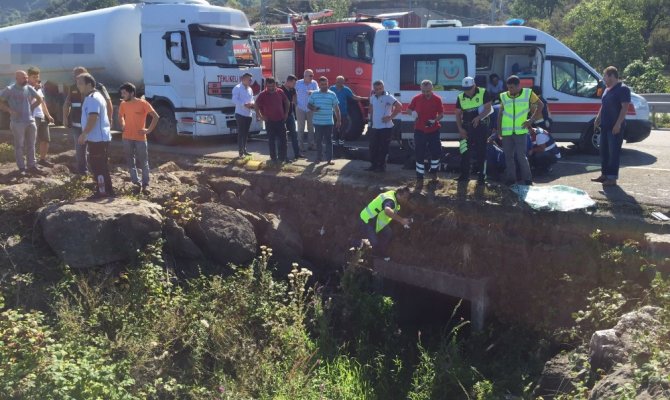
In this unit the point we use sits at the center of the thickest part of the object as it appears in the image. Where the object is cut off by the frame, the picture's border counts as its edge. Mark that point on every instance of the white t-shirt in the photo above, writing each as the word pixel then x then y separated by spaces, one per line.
pixel 543 138
pixel 242 95
pixel 38 112
pixel 303 90
pixel 382 106
pixel 95 103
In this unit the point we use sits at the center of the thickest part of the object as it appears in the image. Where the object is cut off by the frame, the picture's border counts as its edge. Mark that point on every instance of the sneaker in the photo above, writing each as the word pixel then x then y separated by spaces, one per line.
pixel 145 189
pixel 21 172
pixel 36 171
pixel 300 156
pixel 45 163
pixel 97 196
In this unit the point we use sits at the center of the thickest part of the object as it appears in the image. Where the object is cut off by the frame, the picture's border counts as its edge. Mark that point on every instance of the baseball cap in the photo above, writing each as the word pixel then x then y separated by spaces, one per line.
pixel 468 82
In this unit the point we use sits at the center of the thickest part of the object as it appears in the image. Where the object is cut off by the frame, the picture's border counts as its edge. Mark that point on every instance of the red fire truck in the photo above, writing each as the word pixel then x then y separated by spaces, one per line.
pixel 330 49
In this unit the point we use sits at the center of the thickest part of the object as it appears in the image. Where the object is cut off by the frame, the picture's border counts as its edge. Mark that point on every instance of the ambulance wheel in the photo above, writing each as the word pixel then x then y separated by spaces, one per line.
pixel 356 124
pixel 590 143
pixel 407 145
pixel 166 130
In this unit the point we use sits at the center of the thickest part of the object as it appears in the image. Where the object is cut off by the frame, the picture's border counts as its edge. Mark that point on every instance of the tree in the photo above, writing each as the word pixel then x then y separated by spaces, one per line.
pixel 340 8
pixel 646 76
pixel 605 33
pixel 536 9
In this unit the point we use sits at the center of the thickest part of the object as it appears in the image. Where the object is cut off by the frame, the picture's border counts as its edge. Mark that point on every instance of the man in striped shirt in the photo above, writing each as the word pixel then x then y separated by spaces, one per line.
pixel 324 104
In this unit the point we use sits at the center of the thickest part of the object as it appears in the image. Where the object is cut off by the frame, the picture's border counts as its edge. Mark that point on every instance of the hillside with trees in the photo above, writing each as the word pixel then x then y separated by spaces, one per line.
pixel 603 32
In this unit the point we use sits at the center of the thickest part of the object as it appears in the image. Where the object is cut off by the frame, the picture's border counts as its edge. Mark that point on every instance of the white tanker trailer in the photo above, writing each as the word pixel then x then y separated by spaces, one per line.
pixel 185 56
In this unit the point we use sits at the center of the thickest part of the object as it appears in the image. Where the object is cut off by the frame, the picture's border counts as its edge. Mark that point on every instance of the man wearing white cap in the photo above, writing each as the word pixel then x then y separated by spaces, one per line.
pixel 473 107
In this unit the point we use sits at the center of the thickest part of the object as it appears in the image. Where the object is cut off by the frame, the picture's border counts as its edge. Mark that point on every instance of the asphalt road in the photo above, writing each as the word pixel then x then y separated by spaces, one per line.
pixel 644 177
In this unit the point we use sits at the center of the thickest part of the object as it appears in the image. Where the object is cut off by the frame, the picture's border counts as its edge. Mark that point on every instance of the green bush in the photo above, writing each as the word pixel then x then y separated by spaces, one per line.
pixel 6 153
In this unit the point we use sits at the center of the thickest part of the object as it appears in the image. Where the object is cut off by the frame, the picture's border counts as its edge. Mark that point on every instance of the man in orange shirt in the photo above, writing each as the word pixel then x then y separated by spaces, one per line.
pixel 133 114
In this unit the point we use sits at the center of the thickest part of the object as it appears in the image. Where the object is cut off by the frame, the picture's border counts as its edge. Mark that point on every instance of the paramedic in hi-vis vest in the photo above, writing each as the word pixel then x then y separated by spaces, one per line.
pixel 376 217
pixel 473 108
pixel 513 124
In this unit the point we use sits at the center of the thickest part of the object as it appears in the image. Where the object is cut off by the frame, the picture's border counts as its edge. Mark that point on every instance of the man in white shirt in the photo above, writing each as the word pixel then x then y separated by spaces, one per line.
pixel 243 97
pixel 95 133
pixel 42 118
pixel 383 109
pixel 544 152
pixel 304 88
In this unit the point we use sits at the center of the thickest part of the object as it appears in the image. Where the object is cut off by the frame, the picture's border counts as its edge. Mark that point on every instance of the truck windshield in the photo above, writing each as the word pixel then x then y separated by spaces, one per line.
pixel 224 48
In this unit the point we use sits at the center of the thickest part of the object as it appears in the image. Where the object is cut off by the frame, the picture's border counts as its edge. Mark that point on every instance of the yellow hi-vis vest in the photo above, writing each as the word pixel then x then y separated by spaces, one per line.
pixel 376 209
pixel 473 103
pixel 515 113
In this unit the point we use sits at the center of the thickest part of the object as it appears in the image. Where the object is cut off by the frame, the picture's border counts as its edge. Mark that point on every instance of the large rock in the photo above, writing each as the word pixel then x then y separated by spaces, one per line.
pixel 223 234
pixel 20 194
pixel 180 245
pixel 610 347
pixel 223 184
pixel 284 240
pixel 86 234
pixel 558 377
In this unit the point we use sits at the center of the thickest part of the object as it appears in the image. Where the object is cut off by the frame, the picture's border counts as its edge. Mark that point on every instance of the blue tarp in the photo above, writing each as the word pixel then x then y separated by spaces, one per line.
pixel 554 198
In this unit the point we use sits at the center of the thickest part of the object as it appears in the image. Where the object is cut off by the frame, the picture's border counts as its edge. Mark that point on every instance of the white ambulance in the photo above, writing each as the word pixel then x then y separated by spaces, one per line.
pixel 571 88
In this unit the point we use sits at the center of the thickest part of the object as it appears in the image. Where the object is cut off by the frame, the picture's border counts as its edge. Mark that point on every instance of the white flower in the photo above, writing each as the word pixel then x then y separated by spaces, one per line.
pixel 204 323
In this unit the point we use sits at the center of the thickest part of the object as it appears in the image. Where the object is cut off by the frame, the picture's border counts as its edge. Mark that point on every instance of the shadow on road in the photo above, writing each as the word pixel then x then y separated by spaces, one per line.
pixel 622 202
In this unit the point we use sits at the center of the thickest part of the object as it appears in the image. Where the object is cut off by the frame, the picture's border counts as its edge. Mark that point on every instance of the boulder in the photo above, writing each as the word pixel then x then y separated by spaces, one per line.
pixel 92 233
pixel 557 378
pixel 250 200
pixel 169 166
pixel 616 345
pixel 223 184
pixel 612 385
pixel 284 240
pixel 659 245
pixel 20 194
pixel 229 198
pixel 223 234
pixel 606 350
pixel 180 245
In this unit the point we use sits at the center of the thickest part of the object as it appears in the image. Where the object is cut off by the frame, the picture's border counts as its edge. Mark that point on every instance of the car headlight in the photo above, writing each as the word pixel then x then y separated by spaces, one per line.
pixel 205 119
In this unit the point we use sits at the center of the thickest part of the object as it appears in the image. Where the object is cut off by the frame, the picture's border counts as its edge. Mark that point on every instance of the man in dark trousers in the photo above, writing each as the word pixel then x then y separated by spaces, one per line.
pixel 289 90
pixel 426 107
pixel 272 106
pixel 473 107
pixel 72 116
pixel 95 134
pixel 383 109
pixel 611 120
pixel 377 215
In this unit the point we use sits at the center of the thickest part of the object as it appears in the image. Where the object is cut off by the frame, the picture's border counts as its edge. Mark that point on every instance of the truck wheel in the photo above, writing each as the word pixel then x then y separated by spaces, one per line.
pixel 356 123
pixel 166 130
pixel 590 143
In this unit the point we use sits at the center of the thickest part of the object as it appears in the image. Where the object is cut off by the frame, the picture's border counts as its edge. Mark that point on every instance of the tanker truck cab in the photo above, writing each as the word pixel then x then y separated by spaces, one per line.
pixel 571 88
pixel 193 56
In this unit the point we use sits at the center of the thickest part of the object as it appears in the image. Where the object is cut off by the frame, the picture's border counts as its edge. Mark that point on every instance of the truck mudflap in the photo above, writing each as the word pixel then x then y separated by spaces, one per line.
pixel 637 130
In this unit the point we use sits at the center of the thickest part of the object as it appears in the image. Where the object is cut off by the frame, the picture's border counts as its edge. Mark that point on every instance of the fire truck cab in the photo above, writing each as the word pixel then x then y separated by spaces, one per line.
pixel 342 48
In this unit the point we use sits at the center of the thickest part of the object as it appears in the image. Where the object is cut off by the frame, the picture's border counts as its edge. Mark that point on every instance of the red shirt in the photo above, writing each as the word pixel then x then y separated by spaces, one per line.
pixel 427 108
pixel 272 105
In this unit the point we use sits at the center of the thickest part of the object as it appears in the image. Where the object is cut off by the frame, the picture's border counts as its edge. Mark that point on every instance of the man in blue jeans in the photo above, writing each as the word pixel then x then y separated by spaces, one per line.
pixel 324 104
pixel 612 122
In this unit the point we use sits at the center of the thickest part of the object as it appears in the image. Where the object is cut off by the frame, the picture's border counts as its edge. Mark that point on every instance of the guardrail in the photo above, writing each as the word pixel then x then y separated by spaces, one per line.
pixel 658 103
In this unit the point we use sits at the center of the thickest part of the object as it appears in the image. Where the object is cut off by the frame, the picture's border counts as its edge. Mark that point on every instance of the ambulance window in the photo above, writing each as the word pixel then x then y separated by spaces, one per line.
pixel 446 71
pixel 484 56
pixel 568 76
pixel 324 42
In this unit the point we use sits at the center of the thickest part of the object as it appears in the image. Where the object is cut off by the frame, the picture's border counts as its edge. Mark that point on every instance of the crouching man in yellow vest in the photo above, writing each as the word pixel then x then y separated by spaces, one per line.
pixel 513 124
pixel 376 217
